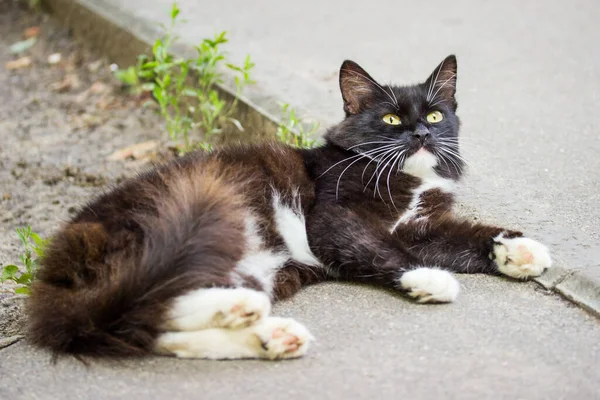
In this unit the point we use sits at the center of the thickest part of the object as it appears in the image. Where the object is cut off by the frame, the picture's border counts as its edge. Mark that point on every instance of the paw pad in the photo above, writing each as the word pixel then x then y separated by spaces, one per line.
pixel 283 338
pixel 520 257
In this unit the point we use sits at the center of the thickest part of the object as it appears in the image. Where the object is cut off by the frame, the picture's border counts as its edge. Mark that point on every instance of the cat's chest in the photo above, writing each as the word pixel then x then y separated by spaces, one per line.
pixel 430 198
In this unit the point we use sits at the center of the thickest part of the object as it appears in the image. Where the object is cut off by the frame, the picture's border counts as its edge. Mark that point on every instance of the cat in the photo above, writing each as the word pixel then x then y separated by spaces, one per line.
pixel 186 259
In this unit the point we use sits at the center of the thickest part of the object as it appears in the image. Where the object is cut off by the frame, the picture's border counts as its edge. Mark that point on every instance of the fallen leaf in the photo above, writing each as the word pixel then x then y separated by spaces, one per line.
pixel 98 87
pixel 22 46
pixel 135 151
pixel 30 32
pixel 54 58
pixel 110 102
pixel 69 82
pixel 22 62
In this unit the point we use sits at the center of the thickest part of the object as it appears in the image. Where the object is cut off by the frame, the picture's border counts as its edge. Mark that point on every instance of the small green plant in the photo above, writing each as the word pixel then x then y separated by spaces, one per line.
pixel 34 249
pixel 186 106
pixel 34 4
pixel 292 131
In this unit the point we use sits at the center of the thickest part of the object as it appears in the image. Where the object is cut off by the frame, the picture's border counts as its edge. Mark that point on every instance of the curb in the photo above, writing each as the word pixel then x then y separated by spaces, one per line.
pixel 103 25
pixel 573 286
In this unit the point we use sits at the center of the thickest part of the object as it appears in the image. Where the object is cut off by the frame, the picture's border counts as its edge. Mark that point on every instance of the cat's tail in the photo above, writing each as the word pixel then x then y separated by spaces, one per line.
pixel 105 292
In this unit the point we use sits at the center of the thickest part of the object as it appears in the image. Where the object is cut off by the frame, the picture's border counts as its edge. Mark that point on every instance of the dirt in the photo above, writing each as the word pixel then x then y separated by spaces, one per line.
pixel 59 125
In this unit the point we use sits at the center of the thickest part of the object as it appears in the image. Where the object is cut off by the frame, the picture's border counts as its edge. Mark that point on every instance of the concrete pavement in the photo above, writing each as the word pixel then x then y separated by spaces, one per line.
pixel 528 93
pixel 501 340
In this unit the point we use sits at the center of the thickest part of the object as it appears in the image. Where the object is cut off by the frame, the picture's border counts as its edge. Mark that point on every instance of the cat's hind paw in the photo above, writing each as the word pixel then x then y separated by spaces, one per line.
pixel 217 308
pixel 282 338
pixel 520 257
pixel 429 285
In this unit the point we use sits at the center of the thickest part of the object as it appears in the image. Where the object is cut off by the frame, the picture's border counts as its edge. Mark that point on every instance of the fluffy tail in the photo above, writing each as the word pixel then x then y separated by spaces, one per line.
pixel 103 291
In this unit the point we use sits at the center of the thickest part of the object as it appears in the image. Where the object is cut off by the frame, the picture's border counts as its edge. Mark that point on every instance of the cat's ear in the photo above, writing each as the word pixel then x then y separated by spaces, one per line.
pixel 357 86
pixel 441 85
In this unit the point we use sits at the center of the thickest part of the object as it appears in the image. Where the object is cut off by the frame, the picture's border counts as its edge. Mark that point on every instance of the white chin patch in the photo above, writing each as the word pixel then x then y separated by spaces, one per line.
pixel 420 164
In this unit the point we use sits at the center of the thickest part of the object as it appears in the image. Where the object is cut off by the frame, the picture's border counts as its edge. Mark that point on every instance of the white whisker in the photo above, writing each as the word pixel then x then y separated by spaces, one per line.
pixel 364 155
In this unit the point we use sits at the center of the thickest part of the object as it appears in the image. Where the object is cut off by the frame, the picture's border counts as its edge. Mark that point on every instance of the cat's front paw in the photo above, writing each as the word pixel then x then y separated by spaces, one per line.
pixel 520 257
pixel 430 285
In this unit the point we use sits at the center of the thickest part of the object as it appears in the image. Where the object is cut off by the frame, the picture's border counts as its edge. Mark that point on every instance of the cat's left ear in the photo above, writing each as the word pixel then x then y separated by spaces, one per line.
pixel 441 84
pixel 357 86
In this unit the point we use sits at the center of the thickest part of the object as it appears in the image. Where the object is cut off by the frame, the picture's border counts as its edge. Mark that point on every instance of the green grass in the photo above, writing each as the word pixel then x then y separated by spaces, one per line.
pixel 33 250
pixel 186 91
pixel 292 130
pixel 189 105
pixel 34 4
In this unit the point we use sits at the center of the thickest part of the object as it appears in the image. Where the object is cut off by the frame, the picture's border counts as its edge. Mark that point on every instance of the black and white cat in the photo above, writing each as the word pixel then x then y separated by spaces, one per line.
pixel 186 259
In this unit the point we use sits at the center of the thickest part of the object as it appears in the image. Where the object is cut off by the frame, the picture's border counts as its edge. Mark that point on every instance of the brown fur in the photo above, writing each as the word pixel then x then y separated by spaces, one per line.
pixel 109 274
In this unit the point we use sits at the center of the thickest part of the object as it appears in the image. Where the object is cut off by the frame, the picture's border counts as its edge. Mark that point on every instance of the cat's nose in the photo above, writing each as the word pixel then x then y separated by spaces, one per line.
pixel 421 134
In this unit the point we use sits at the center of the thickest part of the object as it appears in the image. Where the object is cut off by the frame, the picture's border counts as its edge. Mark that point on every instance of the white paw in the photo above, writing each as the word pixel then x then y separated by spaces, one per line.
pixel 282 338
pixel 520 257
pixel 217 308
pixel 245 311
pixel 429 285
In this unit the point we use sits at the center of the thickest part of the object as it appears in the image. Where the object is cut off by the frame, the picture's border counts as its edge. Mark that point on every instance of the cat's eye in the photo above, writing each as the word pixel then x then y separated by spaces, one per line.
pixel 434 117
pixel 392 119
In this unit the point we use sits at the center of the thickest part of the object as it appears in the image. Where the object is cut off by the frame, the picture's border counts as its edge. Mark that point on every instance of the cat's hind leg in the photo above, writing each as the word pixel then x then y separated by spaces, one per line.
pixel 229 323
pixel 217 308
pixel 271 338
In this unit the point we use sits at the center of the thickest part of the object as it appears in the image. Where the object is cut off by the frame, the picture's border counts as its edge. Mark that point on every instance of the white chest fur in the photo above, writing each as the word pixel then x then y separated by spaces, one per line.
pixel 421 165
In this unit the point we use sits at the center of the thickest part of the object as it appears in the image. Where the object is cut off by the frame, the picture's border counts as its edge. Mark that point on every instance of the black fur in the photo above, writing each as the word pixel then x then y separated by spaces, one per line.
pixel 110 274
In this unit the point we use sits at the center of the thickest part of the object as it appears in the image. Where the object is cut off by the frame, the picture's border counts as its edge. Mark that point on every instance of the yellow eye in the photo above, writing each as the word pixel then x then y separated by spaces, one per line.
pixel 434 117
pixel 392 119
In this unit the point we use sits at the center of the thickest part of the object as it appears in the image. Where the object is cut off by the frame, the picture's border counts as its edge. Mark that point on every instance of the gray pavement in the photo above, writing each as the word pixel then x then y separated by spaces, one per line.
pixel 528 93
pixel 501 340
pixel 528 89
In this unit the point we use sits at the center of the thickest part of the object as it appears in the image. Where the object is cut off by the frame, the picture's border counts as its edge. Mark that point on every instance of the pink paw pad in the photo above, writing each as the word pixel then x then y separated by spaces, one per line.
pixel 526 255
pixel 291 341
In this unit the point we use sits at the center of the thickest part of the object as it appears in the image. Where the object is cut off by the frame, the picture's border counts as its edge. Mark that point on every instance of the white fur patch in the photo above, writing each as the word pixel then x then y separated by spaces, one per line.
pixel 521 257
pixel 292 227
pixel 428 285
pixel 261 264
pixel 421 164
pixel 217 308
pixel 272 338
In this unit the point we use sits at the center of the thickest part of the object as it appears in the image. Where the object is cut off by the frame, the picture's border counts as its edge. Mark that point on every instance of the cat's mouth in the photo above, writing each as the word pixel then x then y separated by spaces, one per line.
pixel 421 148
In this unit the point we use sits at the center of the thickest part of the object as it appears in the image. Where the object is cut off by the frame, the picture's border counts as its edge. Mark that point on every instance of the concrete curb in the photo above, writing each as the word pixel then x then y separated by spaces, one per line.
pixel 102 25
pixel 574 286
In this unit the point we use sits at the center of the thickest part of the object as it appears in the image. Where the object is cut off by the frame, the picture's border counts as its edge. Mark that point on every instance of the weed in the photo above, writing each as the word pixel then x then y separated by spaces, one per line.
pixel 34 4
pixel 185 107
pixel 292 131
pixel 34 249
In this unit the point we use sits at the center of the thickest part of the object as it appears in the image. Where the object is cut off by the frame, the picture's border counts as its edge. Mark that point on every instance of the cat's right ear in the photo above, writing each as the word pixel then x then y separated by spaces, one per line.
pixel 357 86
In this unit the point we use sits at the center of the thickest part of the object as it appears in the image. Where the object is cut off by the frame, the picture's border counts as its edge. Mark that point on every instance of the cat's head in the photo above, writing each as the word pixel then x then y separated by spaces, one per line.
pixel 413 128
